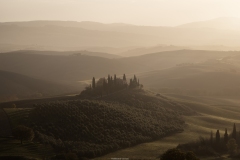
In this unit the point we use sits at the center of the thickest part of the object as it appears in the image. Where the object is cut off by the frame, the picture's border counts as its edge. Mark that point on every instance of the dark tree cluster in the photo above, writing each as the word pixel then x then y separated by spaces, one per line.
pixel 227 143
pixel 91 128
pixel 134 83
pixel 110 85
pixel 23 133
pixel 176 154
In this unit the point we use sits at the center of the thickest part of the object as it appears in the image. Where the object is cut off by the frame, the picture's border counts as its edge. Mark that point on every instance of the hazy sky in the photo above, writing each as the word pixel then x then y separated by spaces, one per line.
pixel 140 12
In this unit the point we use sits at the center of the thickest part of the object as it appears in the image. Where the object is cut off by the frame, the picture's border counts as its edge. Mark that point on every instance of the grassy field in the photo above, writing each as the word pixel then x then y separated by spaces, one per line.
pixel 212 113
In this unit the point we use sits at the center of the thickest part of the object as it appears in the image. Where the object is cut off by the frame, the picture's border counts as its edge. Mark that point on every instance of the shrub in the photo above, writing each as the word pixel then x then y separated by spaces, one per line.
pixel 173 154
pixel 190 156
pixel 232 146
pixel 23 133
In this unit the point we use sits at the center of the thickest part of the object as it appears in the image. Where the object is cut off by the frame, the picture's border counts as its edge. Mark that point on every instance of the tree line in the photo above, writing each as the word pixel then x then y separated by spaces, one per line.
pixel 110 84
pixel 216 144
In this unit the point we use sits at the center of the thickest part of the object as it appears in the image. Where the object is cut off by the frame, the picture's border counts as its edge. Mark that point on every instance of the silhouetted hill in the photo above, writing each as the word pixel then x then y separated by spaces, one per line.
pixel 167 59
pixel 67 53
pixel 83 24
pixel 137 51
pixel 97 54
pixel 148 50
pixel 225 23
pixel 60 35
pixel 73 68
pixel 213 77
pixel 15 86
pixel 62 68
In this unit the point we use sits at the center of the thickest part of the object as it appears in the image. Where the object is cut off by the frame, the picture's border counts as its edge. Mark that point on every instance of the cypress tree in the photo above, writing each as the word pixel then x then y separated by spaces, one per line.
pixel 226 136
pixel 124 77
pixel 109 80
pixel 135 78
pixel 115 80
pixel 234 133
pixel 217 136
pixel 124 81
pixel 93 83
pixel 104 83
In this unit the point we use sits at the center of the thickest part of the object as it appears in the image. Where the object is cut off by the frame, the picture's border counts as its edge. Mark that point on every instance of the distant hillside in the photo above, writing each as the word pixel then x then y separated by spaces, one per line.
pixel 138 51
pixel 83 24
pixel 225 23
pixel 149 50
pixel 62 68
pixel 167 59
pixel 68 38
pixel 209 78
pixel 67 53
pixel 15 86
pixel 97 54
pixel 73 68
pixel 62 36
pixel 112 50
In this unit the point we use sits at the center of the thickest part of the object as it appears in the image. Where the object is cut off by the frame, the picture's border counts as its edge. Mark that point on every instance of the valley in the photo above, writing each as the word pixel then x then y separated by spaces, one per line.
pixel 72 90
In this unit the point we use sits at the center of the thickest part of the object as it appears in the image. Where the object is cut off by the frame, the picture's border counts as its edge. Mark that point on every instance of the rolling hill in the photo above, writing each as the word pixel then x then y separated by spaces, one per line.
pixel 224 23
pixel 138 51
pixel 72 68
pixel 213 77
pixel 15 86
pixel 69 53
pixel 62 36
pixel 93 127
pixel 213 113
pixel 168 59
pixel 149 50
pixel 63 68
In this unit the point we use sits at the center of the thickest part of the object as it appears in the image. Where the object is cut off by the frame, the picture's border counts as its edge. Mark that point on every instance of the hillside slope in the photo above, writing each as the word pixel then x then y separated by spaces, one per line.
pixel 209 78
pixel 15 86
pixel 95 126
pixel 149 50
pixel 67 53
pixel 168 59
pixel 72 35
pixel 223 23
pixel 62 68
pixel 73 68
